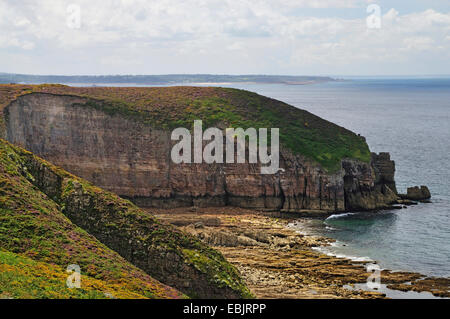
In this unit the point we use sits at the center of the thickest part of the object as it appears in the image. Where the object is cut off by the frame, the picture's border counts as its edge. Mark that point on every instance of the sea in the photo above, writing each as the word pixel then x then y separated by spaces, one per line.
pixel 410 119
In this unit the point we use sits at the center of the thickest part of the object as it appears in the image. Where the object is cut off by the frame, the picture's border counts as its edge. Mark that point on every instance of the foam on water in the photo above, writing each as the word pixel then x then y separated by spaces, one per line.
pixel 340 215
pixel 329 252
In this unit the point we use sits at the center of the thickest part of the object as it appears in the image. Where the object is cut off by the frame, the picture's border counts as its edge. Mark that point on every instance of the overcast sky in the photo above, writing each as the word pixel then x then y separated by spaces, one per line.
pixel 298 37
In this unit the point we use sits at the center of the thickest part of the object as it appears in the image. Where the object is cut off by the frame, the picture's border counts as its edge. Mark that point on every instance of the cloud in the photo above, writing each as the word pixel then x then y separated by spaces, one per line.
pixel 418 43
pixel 215 36
pixel 323 3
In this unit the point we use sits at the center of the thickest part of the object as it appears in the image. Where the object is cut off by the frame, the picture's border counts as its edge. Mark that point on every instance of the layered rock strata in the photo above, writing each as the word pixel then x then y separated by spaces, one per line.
pixel 133 160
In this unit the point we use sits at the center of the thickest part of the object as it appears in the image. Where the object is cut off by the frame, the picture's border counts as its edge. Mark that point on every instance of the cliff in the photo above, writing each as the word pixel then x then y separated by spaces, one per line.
pixel 49 219
pixel 119 139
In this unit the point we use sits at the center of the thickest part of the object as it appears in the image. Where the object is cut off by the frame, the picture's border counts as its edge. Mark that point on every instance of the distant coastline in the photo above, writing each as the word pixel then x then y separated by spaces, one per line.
pixel 166 79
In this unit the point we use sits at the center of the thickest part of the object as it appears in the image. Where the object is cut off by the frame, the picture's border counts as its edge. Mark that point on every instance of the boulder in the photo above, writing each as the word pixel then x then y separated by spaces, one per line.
pixel 416 193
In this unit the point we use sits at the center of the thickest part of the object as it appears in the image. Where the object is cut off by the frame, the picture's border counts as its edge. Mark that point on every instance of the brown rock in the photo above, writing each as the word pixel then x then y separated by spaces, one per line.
pixel 132 159
pixel 416 193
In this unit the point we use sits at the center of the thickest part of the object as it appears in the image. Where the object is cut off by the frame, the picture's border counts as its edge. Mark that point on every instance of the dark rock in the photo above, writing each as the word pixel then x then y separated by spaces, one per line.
pixel 259 236
pixel 416 193
pixel 199 225
pixel 384 169
pixel 406 202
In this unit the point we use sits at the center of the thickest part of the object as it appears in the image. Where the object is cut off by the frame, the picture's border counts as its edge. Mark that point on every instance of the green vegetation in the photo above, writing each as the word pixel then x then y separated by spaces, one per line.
pixel 221 272
pixel 33 227
pixel 300 131
pixel 169 107
pixel 116 221
pixel 24 278
pixel 51 217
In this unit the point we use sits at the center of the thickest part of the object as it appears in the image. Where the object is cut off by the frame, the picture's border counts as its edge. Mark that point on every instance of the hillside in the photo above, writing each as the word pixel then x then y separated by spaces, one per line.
pixel 22 277
pixel 50 219
pixel 170 107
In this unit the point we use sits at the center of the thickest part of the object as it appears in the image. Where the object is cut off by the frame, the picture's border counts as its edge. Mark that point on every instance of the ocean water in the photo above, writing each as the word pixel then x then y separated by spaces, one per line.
pixel 410 118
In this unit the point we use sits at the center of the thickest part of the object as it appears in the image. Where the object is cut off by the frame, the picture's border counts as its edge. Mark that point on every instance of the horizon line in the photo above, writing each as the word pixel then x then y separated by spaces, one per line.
pixel 229 74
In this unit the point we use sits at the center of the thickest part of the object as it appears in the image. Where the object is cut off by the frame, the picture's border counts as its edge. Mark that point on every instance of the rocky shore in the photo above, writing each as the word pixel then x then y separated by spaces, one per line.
pixel 276 261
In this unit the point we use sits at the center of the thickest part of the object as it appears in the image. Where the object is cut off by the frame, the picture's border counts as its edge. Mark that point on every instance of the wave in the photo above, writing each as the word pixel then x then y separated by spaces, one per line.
pixel 306 227
pixel 327 252
pixel 334 216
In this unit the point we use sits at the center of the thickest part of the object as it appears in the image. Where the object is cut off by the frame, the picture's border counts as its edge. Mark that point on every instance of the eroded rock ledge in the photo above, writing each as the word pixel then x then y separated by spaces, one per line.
pixel 278 262
pixel 133 160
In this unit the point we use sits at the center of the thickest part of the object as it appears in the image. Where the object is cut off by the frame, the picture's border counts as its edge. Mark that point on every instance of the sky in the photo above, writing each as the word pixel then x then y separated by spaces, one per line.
pixel 288 37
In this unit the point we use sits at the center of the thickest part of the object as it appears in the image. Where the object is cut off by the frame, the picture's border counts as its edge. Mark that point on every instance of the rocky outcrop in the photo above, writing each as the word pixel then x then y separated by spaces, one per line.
pixel 132 159
pixel 384 169
pixel 369 186
pixel 416 193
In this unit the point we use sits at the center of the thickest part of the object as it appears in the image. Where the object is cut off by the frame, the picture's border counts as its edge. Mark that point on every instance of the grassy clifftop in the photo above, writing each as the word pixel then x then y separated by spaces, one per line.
pixel 50 219
pixel 170 107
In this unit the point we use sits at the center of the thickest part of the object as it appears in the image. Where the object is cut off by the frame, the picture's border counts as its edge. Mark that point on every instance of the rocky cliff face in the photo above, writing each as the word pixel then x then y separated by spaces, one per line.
pixel 369 186
pixel 132 159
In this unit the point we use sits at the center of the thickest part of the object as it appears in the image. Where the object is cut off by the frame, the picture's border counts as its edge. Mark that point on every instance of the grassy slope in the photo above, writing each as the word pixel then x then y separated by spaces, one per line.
pixel 34 231
pixel 25 278
pixel 33 225
pixel 169 107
